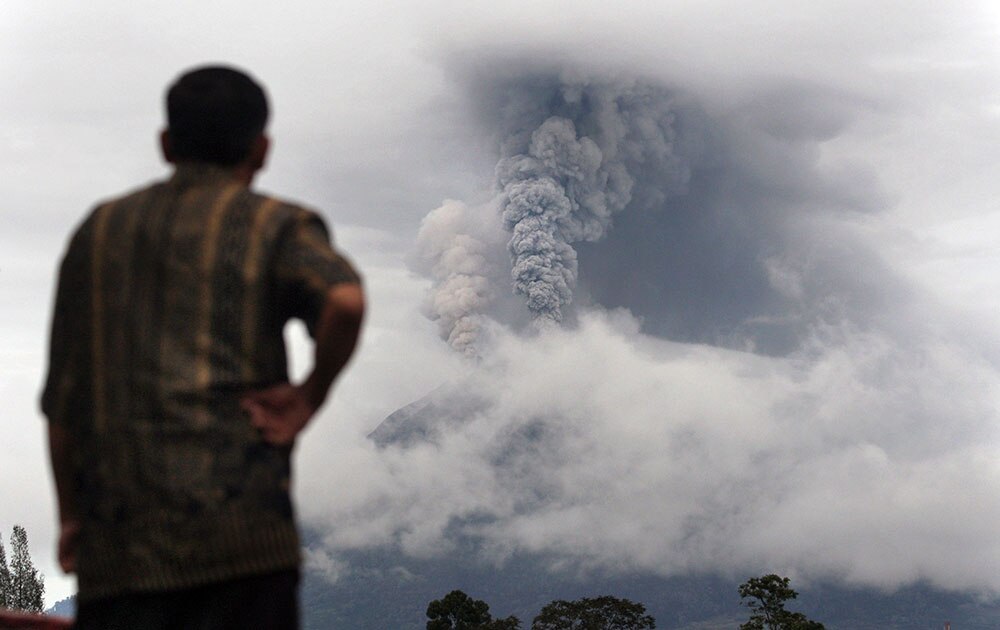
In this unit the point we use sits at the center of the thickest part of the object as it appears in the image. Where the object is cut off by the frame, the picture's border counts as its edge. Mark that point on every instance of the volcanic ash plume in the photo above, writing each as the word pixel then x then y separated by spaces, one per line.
pixel 452 247
pixel 579 166
pixel 572 155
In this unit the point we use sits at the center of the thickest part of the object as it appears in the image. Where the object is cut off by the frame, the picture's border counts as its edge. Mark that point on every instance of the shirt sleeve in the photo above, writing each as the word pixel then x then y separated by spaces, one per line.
pixel 307 266
pixel 68 384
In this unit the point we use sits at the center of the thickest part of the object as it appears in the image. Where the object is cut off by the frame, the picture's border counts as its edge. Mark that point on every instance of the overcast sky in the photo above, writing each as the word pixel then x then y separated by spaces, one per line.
pixel 781 355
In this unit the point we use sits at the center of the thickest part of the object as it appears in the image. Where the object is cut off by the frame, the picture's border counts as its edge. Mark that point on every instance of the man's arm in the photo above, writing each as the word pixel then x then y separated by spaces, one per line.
pixel 67 385
pixel 61 454
pixel 281 412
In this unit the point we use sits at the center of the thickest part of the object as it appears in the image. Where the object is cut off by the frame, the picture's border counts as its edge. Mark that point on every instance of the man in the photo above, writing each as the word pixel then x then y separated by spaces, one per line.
pixel 171 418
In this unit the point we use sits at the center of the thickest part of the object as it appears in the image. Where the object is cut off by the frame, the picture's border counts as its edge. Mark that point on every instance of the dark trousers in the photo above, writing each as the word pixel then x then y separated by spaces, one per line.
pixel 268 602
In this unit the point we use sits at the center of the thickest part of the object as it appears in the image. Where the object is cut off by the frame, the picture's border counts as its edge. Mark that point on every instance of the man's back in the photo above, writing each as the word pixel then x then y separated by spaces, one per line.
pixel 188 285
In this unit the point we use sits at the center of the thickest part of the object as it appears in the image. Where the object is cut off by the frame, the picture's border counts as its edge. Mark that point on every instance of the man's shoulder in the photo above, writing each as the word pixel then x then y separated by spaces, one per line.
pixel 288 207
pixel 286 214
pixel 130 196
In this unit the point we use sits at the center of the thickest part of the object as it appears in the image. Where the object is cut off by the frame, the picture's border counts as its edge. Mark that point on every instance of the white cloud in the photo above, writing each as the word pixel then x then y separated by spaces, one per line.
pixel 863 461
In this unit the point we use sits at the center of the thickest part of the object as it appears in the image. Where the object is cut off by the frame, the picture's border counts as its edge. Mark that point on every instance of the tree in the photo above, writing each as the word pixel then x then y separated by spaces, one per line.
pixel 765 596
pixel 27 588
pixel 458 611
pixel 597 613
pixel 507 623
pixel 4 578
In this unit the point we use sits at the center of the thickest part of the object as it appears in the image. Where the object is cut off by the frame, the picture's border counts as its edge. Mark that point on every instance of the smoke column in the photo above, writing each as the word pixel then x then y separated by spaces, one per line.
pixel 563 182
pixel 573 153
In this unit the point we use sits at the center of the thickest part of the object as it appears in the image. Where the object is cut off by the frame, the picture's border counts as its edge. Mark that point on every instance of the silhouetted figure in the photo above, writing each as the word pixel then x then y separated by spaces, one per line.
pixel 171 418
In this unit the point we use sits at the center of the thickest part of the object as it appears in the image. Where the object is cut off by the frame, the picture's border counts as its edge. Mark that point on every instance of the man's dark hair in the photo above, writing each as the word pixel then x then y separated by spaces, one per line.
pixel 214 114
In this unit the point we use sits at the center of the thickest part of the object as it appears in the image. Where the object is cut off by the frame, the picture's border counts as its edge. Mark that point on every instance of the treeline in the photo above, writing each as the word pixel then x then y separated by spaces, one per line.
pixel 21 587
pixel 764 596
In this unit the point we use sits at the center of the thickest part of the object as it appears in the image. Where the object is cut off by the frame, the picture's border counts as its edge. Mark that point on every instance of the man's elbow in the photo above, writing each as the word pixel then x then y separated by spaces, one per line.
pixel 347 302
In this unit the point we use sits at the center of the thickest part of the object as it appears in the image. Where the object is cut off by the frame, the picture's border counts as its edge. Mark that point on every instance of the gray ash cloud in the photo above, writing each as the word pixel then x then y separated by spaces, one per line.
pixel 564 181
pixel 573 154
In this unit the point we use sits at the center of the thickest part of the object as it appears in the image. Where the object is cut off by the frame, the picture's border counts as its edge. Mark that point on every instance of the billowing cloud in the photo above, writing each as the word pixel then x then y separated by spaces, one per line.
pixel 859 460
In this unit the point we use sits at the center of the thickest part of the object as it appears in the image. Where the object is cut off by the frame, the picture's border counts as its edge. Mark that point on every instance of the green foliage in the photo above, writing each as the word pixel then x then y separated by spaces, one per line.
pixel 597 613
pixel 458 611
pixel 765 596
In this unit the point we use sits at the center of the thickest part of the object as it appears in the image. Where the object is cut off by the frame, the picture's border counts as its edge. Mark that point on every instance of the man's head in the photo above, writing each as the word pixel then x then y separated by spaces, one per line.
pixel 216 115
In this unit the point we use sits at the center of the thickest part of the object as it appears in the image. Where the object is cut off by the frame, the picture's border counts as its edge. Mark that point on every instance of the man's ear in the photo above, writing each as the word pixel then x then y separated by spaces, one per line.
pixel 165 146
pixel 258 152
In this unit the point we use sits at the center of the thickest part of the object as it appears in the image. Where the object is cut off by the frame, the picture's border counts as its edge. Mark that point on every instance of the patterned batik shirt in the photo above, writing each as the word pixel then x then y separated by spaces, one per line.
pixel 171 304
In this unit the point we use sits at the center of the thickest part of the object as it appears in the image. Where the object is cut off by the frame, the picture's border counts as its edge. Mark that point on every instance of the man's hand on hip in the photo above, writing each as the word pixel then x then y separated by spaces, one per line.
pixel 282 411
pixel 69 534
pixel 279 412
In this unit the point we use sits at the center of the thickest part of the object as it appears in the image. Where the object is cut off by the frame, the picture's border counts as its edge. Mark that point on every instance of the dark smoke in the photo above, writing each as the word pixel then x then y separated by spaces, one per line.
pixel 712 227
pixel 565 181
pixel 573 155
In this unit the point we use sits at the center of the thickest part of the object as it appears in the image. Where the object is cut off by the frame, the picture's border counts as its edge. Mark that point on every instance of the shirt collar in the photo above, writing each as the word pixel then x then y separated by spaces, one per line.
pixel 188 174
